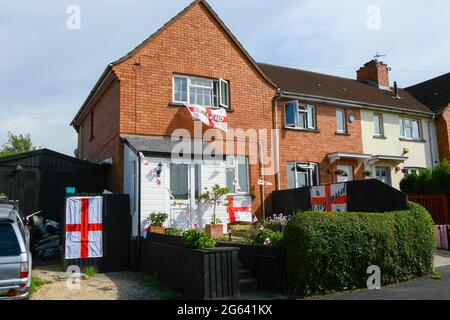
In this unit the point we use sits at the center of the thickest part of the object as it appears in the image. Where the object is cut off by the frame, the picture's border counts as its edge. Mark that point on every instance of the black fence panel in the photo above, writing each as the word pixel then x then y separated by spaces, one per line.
pixel 116 237
pixel 266 264
pixel 196 274
pixel 362 196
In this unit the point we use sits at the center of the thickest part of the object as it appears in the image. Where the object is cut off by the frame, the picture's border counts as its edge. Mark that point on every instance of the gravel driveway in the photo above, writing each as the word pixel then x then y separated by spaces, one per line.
pixel 110 286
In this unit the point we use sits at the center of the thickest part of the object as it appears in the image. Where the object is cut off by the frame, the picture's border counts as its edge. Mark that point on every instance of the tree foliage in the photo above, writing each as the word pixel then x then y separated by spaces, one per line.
pixel 16 144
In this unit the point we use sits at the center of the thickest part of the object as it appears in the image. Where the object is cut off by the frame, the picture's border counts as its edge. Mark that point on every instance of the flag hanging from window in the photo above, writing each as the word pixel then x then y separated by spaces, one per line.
pixel 240 209
pixel 84 227
pixel 214 118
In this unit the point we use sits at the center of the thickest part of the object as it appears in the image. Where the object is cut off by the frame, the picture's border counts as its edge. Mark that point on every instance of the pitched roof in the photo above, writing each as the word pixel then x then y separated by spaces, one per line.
pixel 301 82
pixel 434 93
pixel 164 27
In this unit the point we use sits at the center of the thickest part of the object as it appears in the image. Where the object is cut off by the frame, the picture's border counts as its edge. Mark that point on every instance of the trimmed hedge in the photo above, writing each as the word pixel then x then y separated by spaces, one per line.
pixel 331 252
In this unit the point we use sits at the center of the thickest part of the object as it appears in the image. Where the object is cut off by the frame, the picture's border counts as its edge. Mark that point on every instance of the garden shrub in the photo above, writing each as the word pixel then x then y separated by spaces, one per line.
pixel 268 237
pixel 436 181
pixel 331 252
pixel 196 239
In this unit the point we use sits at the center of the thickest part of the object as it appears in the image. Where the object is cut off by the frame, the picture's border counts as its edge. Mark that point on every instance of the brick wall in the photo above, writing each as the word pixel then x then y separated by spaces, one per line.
pixel 443 131
pixel 304 146
pixel 106 141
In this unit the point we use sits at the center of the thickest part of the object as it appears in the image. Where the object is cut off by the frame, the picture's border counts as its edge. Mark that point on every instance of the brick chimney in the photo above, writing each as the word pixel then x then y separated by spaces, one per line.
pixel 375 73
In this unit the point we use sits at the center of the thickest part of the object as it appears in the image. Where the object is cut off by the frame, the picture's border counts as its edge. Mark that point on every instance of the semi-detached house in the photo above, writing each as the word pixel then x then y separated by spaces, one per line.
pixel 323 124
pixel 360 128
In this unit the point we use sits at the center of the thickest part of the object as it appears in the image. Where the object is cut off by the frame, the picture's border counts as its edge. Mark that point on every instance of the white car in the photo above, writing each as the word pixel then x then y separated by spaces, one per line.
pixel 15 255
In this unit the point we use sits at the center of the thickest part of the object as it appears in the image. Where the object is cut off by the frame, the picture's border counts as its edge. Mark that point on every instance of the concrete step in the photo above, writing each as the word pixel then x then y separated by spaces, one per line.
pixel 248 284
pixel 244 273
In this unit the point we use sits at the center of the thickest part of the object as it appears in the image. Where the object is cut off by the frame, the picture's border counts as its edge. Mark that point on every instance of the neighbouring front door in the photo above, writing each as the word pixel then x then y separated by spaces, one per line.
pixel 183 183
pixel 384 175
pixel 348 174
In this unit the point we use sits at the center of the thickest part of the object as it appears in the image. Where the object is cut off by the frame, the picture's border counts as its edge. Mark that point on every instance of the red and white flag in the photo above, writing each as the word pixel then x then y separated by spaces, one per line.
pixel 329 198
pixel 84 227
pixel 261 182
pixel 144 160
pixel 215 118
pixel 239 209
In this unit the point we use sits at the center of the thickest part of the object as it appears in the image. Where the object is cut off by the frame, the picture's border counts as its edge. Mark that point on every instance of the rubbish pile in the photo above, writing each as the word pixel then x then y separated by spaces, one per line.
pixel 45 238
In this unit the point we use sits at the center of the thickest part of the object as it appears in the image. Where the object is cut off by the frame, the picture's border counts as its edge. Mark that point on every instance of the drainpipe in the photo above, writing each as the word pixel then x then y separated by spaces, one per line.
pixel 431 138
pixel 276 140
pixel 139 211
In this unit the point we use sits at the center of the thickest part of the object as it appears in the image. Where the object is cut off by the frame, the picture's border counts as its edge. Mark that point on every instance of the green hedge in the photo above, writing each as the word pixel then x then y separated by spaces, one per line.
pixel 436 181
pixel 331 252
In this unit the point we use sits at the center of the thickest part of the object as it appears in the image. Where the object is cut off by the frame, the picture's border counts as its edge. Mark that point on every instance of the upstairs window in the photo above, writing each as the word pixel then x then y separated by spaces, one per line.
pixel 201 91
pixel 410 129
pixel 341 121
pixel 300 116
pixel 91 134
pixel 378 123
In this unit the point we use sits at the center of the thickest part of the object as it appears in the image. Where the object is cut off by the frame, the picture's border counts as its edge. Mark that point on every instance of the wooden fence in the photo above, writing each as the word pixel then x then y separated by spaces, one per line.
pixel 437 205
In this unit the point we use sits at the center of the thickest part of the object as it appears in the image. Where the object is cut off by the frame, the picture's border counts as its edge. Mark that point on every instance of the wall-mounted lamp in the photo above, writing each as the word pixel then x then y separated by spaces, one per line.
pixel 159 170
pixel 19 168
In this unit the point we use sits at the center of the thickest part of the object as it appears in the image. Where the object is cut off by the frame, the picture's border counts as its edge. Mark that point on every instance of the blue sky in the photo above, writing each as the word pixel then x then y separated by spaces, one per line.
pixel 47 70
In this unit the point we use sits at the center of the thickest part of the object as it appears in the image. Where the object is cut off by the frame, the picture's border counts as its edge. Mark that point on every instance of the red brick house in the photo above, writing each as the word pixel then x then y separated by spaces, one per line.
pixel 435 94
pixel 139 102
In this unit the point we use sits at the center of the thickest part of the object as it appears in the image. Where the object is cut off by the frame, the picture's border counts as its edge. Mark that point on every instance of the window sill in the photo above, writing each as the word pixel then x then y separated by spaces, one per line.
pixel 342 134
pixel 413 140
pixel 303 130
pixel 380 137
pixel 179 105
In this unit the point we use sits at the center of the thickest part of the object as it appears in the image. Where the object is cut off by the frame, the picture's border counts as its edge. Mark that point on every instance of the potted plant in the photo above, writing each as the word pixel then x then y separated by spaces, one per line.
pixel 213 197
pixel 367 174
pixel 156 222
pixel 340 173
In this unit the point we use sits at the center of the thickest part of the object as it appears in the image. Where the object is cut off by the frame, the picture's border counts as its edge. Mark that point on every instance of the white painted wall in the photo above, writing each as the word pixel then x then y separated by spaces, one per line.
pixel 419 156
pixel 130 185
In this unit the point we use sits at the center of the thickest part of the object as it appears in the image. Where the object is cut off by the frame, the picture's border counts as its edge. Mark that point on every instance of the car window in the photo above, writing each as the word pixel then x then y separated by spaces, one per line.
pixel 9 245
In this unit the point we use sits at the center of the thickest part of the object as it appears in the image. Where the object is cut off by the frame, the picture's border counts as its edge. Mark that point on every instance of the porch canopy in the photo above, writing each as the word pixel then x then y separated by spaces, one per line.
pixel 395 159
pixel 165 146
pixel 360 157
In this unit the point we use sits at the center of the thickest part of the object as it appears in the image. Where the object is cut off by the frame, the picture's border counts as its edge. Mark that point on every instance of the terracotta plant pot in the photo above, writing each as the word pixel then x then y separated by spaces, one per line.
pixel 159 230
pixel 215 231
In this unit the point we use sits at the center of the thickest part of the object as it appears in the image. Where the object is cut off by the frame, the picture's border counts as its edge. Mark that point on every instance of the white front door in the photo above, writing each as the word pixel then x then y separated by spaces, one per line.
pixel 183 206
pixel 348 175
pixel 383 174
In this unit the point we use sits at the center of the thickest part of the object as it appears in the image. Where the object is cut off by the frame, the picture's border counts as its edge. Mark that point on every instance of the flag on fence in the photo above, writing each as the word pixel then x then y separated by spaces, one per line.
pixel 215 118
pixel 329 198
pixel 84 227
pixel 239 209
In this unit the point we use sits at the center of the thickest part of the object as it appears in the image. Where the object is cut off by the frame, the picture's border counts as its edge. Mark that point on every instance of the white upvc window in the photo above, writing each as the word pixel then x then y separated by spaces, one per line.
pixel 410 171
pixel 300 116
pixel 378 123
pixel 410 129
pixel 238 177
pixel 201 91
pixel 341 121
pixel 302 174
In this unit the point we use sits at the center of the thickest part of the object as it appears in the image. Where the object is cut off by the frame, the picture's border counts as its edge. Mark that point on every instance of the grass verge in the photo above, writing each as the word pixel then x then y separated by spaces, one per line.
pixel 166 292
pixel 36 283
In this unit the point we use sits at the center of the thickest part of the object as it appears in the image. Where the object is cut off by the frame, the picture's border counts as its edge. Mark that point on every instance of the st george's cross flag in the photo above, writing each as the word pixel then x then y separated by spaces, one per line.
pixel 329 198
pixel 240 209
pixel 84 227
pixel 214 118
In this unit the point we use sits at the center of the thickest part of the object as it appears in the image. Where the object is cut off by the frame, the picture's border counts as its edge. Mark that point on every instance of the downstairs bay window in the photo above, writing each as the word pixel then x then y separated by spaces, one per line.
pixel 201 91
pixel 302 174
